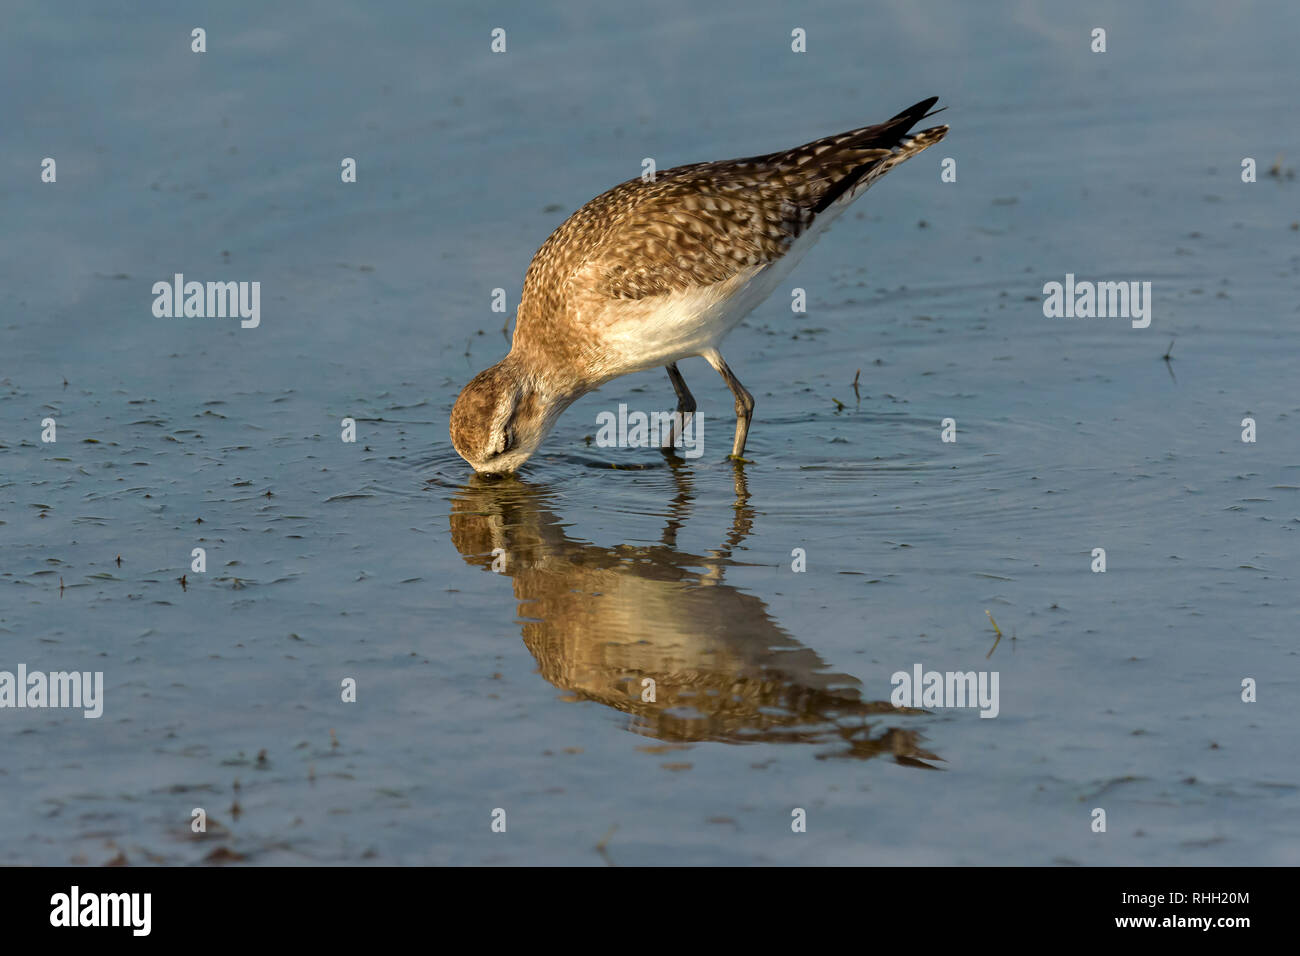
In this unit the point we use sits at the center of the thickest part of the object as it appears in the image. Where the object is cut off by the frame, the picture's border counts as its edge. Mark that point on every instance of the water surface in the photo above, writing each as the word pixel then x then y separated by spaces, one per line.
pixel 520 687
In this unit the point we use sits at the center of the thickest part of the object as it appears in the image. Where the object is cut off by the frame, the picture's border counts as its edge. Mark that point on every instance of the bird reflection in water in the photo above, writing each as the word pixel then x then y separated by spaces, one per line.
pixel 601 621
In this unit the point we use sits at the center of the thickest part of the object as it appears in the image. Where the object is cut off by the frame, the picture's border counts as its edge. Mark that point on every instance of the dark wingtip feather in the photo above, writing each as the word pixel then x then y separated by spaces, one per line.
pixel 917 111
pixel 886 135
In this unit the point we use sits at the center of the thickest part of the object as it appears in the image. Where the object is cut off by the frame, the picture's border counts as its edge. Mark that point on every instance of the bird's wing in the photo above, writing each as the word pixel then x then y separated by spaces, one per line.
pixel 702 224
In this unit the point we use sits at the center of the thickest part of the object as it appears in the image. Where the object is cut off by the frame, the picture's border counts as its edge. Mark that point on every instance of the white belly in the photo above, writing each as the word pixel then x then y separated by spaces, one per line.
pixel 656 331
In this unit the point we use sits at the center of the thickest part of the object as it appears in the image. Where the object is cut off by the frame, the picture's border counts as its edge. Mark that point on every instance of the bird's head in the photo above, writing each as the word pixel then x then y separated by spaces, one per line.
pixel 500 419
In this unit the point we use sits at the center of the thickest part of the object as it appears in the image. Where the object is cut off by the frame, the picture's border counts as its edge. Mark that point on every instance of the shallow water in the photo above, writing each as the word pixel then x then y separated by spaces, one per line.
pixel 522 689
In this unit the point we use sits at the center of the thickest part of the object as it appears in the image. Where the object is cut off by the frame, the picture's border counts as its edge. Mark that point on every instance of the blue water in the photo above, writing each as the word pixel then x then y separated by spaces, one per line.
pixel 520 689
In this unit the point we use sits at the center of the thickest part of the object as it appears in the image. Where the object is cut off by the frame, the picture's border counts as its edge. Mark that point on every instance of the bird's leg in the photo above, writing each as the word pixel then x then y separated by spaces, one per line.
pixel 744 401
pixel 685 403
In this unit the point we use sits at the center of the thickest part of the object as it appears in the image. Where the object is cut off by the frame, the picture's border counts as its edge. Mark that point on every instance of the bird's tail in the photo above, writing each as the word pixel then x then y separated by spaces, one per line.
pixel 864 155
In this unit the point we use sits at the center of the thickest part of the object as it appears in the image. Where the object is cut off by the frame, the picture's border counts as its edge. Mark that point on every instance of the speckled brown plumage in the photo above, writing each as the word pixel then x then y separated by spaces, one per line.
pixel 701 224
